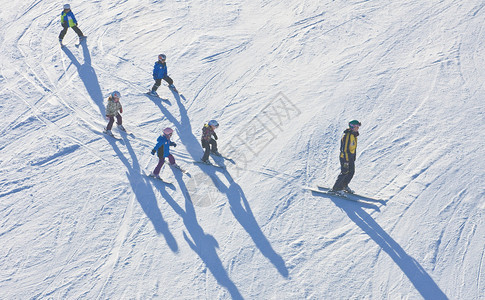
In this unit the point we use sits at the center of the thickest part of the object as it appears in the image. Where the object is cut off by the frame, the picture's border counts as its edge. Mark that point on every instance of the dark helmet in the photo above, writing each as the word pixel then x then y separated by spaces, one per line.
pixel 354 123
pixel 162 57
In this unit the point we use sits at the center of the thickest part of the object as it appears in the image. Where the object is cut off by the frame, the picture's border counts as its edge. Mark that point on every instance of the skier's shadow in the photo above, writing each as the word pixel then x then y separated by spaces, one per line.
pixel 241 210
pixel 184 128
pixel 421 280
pixel 235 195
pixel 88 75
pixel 144 193
pixel 203 244
pixel 158 101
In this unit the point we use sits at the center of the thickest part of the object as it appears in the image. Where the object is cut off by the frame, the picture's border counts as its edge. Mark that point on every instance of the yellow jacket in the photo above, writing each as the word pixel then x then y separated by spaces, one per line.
pixel 348 145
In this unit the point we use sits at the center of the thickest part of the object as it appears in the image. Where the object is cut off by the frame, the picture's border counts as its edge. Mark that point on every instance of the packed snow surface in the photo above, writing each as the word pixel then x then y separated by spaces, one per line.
pixel 79 219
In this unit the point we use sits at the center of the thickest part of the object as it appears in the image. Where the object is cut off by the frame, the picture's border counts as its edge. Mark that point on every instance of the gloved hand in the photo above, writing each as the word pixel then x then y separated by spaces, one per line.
pixel 153 152
pixel 173 144
pixel 215 136
pixel 121 110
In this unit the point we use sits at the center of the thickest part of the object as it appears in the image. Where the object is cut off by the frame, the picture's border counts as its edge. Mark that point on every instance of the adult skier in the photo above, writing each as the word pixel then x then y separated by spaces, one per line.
pixel 68 20
pixel 348 151
pixel 162 148
pixel 114 109
pixel 208 143
pixel 160 72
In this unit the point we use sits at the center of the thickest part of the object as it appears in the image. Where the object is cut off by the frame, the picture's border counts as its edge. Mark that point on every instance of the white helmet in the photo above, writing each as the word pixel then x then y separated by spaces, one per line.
pixel 67 6
pixel 213 123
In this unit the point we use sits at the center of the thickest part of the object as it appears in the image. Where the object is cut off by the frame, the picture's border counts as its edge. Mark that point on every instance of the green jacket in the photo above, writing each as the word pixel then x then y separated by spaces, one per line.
pixel 112 108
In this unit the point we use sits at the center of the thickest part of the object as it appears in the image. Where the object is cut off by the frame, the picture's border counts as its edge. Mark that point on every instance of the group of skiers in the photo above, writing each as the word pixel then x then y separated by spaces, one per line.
pixel 114 109
pixel 348 142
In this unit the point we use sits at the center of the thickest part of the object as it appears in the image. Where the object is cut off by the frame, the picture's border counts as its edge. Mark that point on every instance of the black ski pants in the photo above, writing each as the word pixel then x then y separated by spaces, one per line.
pixel 158 82
pixel 210 145
pixel 111 119
pixel 346 174
pixel 65 28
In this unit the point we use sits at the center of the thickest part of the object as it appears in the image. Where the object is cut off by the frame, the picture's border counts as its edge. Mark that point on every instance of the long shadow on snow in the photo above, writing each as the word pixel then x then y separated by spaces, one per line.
pixel 421 280
pixel 144 193
pixel 201 243
pixel 239 205
pixel 88 75
pixel 241 210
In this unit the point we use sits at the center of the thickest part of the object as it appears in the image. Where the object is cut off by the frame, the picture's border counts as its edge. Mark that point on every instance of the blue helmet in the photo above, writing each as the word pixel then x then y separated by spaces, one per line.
pixel 213 123
pixel 162 57
pixel 115 94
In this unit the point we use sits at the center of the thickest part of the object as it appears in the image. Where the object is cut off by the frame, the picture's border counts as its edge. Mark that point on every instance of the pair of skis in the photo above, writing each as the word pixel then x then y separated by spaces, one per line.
pixel 157 178
pixel 171 87
pixel 165 180
pixel 116 137
pixel 214 165
pixel 344 195
pixel 81 39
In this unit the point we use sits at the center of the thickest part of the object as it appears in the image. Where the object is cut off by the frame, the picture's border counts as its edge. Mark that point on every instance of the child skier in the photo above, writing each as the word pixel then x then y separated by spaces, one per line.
pixel 68 20
pixel 209 143
pixel 113 109
pixel 348 151
pixel 160 72
pixel 162 148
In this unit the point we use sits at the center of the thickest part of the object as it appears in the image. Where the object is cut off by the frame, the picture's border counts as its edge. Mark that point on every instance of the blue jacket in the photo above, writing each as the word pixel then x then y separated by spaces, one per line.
pixel 160 70
pixel 162 146
pixel 69 18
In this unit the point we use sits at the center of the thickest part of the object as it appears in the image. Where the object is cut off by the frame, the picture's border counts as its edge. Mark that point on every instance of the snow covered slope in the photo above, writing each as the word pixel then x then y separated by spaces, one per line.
pixel 283 78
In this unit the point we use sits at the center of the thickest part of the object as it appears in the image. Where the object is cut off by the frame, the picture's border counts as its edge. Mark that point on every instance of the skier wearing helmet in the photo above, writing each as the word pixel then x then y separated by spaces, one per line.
pixel 162 148
pixel 68 20
pixel 208 143
pixel 114 109
pixel 160 72
pixel 348 151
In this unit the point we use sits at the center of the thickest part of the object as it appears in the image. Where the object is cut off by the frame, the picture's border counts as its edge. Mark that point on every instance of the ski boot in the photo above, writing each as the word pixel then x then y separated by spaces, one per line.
pixel 108 132
pixel 216 153
pixel 337 192
pixel 348 190
pixel 155 175
pixel 173 88
pixel 120 127
pixel 152 93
